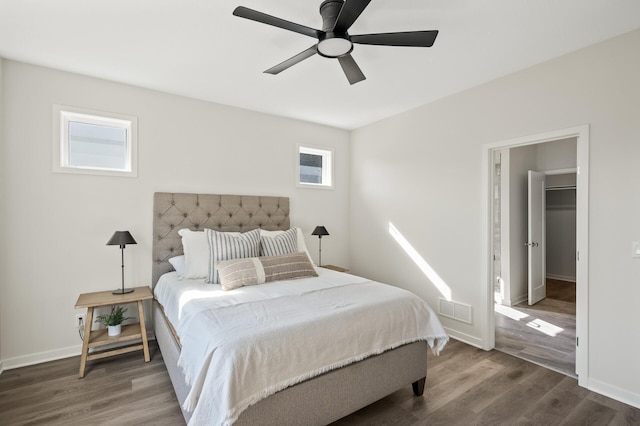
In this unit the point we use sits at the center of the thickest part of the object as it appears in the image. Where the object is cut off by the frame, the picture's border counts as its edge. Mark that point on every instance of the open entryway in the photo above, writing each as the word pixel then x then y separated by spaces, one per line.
pixel 537 237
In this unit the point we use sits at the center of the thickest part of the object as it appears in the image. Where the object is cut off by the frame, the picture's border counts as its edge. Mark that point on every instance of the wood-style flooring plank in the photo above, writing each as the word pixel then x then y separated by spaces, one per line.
pixel 487 392
pixel 589 412
pixel 520 397
pixel 443 393
pixel 465 386
pixel 556 404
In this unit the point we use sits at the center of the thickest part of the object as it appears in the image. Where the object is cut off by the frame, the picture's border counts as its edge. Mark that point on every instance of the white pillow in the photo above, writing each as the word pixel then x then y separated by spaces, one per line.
pixel 302 246
pixel 196 254
pixel 178 263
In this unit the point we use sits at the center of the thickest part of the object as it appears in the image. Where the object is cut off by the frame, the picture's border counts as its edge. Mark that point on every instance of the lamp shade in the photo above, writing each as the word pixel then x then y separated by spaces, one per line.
pixel 320 231
pixel 121 238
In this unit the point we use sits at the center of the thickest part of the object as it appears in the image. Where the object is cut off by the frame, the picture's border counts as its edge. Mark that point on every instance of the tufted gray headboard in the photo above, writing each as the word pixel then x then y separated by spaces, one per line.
pixel 240 213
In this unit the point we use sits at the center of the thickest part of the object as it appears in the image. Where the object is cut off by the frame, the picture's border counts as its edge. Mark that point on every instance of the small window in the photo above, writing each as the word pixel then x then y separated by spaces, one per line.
pixel 92 142
pixel 315 167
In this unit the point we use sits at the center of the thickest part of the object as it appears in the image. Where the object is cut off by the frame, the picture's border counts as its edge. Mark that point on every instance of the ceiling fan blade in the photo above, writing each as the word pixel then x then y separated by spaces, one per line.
pixel 293 60
pixel 411 38
pixel 350 11
pixel 254 15
pixel 351 69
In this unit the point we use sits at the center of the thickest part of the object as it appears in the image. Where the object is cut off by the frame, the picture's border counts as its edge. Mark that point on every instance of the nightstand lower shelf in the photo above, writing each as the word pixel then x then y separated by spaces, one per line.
pixel 101 338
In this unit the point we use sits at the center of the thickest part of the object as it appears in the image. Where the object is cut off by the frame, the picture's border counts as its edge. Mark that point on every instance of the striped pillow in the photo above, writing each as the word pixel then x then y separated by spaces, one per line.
pixel 237 273
pixel 230 245
pixel 283 243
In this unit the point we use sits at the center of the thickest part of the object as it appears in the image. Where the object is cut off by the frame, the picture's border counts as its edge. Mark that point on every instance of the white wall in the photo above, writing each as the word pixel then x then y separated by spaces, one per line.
pixel 563 179
pixel 422 170
pixel 556 155
pixel 55 226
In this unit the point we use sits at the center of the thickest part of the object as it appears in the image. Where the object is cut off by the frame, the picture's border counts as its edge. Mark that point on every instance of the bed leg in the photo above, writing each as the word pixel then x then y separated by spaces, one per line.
pixel 418 387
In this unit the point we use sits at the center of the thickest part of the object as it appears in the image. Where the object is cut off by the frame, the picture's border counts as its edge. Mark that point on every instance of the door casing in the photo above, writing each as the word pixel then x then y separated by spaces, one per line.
pixel 581 133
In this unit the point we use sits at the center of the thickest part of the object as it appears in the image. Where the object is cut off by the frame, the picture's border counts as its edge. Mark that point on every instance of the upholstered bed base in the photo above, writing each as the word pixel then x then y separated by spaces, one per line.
pixel 323 399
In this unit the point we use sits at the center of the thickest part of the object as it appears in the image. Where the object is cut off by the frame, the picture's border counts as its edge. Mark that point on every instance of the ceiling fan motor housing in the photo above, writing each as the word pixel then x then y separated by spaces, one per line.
pixel 332 44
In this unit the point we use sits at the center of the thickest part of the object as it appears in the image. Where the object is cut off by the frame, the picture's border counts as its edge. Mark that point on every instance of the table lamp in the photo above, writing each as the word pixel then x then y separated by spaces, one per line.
pixel 320 231
pixel 122 238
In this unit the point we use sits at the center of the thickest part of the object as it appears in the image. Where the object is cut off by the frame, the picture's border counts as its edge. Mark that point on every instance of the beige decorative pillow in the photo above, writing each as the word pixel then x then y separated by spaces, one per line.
pixel 236 273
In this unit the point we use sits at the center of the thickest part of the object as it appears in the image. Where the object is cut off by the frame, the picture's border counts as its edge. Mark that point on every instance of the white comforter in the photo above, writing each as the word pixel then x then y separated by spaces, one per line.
pixel 241 346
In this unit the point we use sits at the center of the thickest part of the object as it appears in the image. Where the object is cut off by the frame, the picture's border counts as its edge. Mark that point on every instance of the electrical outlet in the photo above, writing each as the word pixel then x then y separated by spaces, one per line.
pixel 80 319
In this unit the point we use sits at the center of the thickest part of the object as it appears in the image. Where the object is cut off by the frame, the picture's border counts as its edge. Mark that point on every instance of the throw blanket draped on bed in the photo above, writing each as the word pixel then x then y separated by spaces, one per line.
pixel 236 353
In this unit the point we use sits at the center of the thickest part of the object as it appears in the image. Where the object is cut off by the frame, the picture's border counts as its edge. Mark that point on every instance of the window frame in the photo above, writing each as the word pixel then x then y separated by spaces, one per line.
pixel 327 172
pixel 62 114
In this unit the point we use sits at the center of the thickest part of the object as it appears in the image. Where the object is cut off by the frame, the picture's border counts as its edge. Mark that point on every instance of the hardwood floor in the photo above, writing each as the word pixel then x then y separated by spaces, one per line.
pixel 122 390
pixel 544 333
pixel 465 386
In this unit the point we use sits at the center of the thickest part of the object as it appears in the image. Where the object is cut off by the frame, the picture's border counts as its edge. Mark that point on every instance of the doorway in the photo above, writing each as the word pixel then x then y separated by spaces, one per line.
pixel 536 319
pixel 500 289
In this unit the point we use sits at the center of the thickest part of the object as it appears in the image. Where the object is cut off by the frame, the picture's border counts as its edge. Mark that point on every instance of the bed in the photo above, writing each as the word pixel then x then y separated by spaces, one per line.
pixel 324 396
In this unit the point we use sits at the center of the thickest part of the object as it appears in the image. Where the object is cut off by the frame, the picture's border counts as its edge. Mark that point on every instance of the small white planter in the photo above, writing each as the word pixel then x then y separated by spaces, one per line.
pixel 114 330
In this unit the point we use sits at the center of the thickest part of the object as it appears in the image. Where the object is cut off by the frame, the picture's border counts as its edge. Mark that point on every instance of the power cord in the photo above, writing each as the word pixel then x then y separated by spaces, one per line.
pixel 81 328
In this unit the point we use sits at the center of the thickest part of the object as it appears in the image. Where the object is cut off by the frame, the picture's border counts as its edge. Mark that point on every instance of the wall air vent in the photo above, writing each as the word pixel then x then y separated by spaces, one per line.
pixel 456 310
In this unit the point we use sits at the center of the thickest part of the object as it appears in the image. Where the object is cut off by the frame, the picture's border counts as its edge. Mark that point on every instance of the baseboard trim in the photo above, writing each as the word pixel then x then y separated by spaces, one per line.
pixel 561 278
pixel 519 299
pixel 56 354
pixel 465 338
pixel 614 392
pixel 39 358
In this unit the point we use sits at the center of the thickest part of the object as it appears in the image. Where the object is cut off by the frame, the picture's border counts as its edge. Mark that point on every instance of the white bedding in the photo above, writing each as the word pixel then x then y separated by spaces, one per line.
pixel 241 346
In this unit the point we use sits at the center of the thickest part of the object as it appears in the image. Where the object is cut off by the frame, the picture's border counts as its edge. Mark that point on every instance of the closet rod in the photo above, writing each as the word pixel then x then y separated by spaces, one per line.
pixel 560 188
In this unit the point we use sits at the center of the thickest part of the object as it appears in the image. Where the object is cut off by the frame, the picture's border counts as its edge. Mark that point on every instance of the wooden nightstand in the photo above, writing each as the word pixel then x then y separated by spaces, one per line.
pixel 335 268
pixel 99 338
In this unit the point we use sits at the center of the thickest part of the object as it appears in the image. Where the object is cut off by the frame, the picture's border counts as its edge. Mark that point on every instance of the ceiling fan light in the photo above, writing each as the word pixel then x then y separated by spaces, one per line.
pixel 334 47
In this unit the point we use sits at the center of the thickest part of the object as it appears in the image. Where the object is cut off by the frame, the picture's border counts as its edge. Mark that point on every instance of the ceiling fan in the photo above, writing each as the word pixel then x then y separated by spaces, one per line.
pixel 333 40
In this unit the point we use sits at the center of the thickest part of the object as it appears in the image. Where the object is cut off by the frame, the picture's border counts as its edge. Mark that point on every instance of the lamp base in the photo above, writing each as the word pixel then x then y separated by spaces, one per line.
pixel 122 291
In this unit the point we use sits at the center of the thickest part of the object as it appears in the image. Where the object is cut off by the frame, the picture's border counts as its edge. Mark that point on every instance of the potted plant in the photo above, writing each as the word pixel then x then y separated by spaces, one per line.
pixel 114 320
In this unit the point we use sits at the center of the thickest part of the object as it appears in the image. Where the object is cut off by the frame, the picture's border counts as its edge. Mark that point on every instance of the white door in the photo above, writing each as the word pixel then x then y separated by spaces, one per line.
pixel 536 238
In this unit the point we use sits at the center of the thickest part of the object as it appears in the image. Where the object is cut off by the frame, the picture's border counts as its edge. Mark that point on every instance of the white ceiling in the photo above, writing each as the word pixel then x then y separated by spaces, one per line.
pixel 196 48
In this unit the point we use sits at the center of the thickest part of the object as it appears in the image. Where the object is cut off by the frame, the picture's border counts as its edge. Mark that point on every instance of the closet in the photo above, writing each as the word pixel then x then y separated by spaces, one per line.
pixel 561 226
